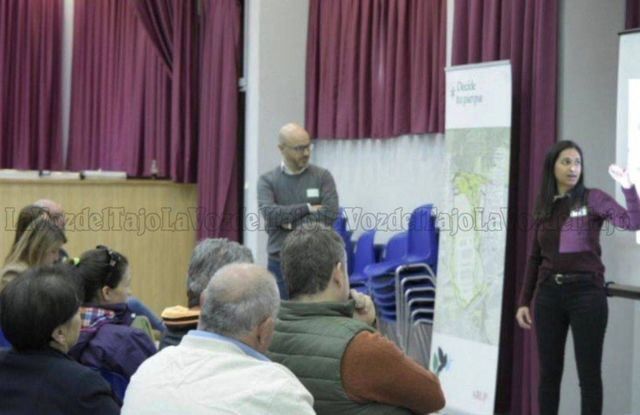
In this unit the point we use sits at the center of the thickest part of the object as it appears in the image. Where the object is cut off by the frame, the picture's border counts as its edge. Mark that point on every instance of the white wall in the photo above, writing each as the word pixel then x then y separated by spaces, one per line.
pixel 381 181
pixel 587 115
pixel 276 44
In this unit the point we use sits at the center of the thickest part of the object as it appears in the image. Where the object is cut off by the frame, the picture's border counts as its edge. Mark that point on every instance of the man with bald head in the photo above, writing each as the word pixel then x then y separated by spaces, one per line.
pixel 55 210
pixel 294 193
pixel 220 367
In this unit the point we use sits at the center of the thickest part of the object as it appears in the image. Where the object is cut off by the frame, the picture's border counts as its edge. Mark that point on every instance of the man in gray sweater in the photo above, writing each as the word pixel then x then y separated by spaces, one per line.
pixel 293 193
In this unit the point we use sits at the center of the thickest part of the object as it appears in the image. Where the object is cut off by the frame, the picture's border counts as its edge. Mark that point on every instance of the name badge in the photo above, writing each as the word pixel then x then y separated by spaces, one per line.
pixel 311 193
pixel 579 212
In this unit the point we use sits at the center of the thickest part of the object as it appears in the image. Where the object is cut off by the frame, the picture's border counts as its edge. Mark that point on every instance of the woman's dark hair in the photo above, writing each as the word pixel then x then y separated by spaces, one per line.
pixel 549 189
pixel 98 268
pixel 27 215
pixel 35 303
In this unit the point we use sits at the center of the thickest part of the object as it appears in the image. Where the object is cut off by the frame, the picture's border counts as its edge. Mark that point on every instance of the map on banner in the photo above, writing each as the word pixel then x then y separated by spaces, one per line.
pixel 473 226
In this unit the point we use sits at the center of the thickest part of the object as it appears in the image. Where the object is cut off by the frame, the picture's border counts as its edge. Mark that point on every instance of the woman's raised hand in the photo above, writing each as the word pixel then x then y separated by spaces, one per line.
pixel 620 175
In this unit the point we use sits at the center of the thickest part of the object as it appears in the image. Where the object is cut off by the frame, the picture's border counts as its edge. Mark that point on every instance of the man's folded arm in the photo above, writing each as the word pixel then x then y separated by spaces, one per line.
pixel 275 214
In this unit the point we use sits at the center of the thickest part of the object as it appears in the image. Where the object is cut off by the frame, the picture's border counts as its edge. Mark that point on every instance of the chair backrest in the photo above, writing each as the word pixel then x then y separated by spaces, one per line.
pixel 396 247
pixel 423 237
pixel 118 382
pixel 4 343
pixel 340 225
pixel 365 251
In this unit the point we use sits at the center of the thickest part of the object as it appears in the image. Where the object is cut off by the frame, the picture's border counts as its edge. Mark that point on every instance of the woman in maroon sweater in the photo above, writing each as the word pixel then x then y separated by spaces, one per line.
pixel 565 271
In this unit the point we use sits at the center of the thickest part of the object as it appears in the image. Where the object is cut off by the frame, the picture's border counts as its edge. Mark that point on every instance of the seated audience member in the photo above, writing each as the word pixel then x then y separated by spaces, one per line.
pixel 57 216
pixel 39 314
pixel 220 368
pixel 208 257
pixel 327 340
pixel 35 249
pixel 107 340
pixel 27 215
pixel 39 244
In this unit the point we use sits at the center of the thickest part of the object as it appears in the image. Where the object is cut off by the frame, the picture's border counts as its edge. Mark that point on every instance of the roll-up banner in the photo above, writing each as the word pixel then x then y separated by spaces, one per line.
pixel 473 234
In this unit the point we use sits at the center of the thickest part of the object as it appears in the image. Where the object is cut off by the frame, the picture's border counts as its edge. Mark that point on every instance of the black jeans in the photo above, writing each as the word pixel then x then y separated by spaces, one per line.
pixel 582 306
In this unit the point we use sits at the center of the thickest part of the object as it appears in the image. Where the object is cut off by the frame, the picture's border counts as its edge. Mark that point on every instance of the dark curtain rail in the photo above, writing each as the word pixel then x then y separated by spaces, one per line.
pixel 623 291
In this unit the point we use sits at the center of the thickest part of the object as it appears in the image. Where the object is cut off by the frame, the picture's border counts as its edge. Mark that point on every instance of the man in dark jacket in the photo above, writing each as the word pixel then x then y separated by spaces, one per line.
pixel 39 314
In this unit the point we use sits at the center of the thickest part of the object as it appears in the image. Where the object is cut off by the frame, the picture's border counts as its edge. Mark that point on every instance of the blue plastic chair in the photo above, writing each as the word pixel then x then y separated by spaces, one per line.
pixel 387 314
pixel 341 227
pixel 416 293
pixel 396 247
pixel 4 343
pixel 363 256
pixel 417 288
pixel 422 247
pixel 117 381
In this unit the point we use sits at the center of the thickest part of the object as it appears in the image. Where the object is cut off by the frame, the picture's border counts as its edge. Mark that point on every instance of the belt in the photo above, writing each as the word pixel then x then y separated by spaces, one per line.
pixel 569 278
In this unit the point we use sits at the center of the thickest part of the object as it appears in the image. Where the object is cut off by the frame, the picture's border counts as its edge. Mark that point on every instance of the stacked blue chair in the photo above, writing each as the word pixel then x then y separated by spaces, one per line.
pixel 421 248
pixel 404 288
pixel 416 294
pixel 422 245
pixel 341 227
pixel 363 256
pixel 396 247
pixel 384 297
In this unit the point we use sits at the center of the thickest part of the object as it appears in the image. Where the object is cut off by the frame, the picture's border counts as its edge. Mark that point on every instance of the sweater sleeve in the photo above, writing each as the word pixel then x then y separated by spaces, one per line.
pixel 273 213
pixel 375 369
pixel 329 201
pixel 531 275
pixel 606 207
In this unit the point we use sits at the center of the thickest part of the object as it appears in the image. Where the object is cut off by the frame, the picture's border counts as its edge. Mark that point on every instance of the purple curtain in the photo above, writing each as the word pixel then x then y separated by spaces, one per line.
pixel 30 84
pixel 157 18
pixel 219 152
pixel 136 97
pixel 632 20
pixel 375 68
pixel 185 91
pixel 120 96
pixel 173 28
pixel 526 32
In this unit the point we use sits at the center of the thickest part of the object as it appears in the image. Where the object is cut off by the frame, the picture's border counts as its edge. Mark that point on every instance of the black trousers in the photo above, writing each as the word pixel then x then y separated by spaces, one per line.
pixel 582 306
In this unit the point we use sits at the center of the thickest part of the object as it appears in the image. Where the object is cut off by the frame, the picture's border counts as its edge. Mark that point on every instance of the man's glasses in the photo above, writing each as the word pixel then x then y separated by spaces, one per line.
pixel 300 149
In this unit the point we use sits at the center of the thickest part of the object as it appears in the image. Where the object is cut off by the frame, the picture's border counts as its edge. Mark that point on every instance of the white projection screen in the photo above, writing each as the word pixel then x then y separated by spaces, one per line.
pixel 628 110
